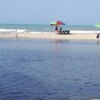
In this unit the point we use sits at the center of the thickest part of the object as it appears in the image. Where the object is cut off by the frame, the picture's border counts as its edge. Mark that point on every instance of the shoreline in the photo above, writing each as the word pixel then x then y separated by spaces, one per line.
pixel 51 35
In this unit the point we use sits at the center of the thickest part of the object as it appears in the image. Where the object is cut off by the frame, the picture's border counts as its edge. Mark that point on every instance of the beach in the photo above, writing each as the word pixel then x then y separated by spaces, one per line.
pixel 77 32
pixel 52 35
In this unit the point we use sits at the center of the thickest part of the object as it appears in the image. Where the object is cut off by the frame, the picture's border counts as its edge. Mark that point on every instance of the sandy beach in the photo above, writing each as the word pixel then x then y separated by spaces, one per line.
pixel 52 35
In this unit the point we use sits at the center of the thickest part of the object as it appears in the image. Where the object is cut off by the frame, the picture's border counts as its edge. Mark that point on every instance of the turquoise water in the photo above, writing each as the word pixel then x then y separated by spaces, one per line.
pixel 46 28
pixel 49 69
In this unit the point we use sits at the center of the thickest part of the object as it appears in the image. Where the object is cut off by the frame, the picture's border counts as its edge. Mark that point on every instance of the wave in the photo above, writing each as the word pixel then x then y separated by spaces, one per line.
pixel 83 31
pixel 32 31
pixel 12 30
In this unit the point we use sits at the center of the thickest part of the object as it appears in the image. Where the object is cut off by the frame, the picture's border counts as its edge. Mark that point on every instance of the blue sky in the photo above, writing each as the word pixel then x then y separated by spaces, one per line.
pixel 45 11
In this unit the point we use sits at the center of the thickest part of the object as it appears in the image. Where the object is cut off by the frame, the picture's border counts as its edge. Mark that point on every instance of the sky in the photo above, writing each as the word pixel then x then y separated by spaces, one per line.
pixel 72 12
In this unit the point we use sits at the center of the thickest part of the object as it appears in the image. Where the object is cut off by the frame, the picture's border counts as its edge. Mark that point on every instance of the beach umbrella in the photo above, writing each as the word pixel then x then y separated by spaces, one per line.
pixel 57 22
pixel 97 25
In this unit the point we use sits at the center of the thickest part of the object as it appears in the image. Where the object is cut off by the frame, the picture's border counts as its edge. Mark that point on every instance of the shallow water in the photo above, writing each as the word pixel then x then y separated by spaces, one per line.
pixel 49 69
pixel 45 28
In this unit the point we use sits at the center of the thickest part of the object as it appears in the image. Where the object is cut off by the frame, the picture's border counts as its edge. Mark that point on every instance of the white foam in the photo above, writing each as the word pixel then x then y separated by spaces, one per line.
pixel 25 31
pixel 12 30
pixel 7 30
pixel 21 30
pixel 78 31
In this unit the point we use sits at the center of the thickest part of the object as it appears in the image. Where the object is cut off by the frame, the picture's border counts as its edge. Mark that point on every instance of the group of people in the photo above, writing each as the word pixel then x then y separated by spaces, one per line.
pixel 56 29
pixel 98 36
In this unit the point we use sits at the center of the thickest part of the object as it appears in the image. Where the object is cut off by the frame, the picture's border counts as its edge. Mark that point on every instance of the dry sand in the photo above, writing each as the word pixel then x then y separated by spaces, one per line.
pixel 52 35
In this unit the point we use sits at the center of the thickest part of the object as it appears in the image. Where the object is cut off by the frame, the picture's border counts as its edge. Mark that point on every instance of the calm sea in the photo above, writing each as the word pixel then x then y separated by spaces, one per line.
pixel 46 28
pixel 49 69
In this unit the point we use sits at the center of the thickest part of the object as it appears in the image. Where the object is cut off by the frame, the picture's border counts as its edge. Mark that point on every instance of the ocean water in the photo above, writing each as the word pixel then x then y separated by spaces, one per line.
pixel 45 28
pixel 49 69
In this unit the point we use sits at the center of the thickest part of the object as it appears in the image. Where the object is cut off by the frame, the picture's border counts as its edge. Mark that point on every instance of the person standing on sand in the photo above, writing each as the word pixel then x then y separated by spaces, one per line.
pixel 56 28
pixel 60 30
pixel 16 33
pixel 98 36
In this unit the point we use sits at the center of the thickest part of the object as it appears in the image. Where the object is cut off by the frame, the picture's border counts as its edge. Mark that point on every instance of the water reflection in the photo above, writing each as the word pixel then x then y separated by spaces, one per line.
pixel 49 70
pixel 61 41
pixel 58 43
pixel 98 47
pixel 98 53
pixel 98 42
pixel 58 48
